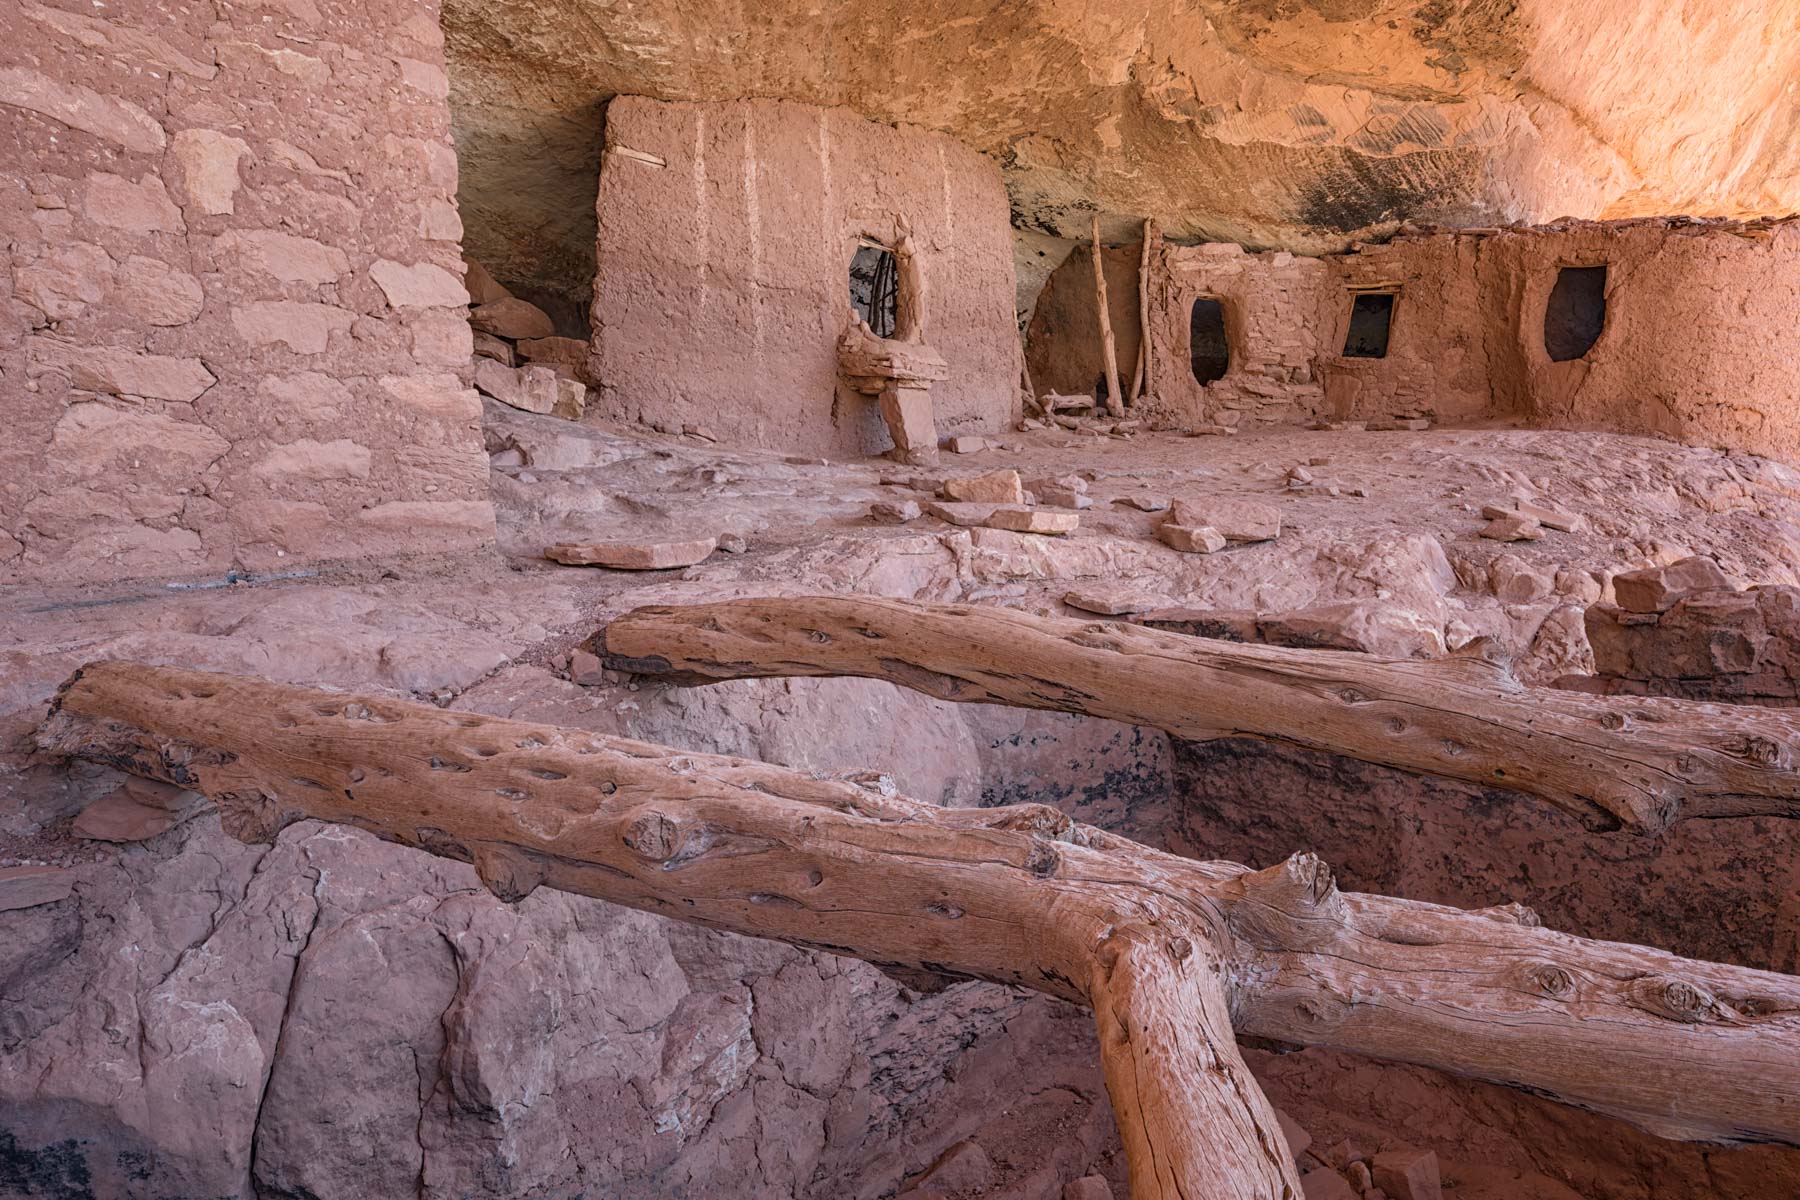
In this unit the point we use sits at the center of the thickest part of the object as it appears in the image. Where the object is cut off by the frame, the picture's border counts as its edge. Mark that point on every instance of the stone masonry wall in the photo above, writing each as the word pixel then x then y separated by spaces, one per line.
pixel 1274 308
pixel 723 273
pixel 231 310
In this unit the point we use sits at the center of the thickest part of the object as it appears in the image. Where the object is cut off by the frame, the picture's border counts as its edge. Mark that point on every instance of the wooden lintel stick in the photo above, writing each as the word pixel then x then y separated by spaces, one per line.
pixel 1631 763
pixel 1115 400
pixel 1169 952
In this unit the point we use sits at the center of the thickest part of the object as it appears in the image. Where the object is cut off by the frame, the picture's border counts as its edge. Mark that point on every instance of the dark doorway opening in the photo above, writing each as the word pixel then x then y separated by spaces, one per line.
pixel 1371 316
pixel 875 288
pixel 1576 313
pixel 1209 353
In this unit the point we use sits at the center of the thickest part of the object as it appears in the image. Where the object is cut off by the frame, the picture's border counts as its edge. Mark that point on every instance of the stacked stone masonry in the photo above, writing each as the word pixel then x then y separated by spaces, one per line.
pixel 232 319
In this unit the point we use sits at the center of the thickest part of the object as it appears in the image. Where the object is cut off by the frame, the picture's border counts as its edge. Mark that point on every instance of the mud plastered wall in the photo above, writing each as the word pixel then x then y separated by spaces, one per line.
pixel 231 307
pixel 722 285
pixel 1699 342
pixel 1275 306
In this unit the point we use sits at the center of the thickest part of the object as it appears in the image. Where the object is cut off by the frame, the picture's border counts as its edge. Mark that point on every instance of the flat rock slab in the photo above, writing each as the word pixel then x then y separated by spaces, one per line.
pixel 1225 624
pixel 996 487
pixel 966 515
pixel 1113 602
pixel 1191 539
pixel 1032 520
pixel 633 556
pixel 28 887
pixel 137 811
pixel 1513 529
pixel 1236 520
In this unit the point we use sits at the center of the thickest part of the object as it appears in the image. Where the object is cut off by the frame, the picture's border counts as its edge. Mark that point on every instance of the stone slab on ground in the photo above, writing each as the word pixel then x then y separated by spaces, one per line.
pixel 966 515
pixel 633 555
pixel 1191 539
pixel 995 487
pixel 1236 520
pixel 28 887
pixel 1032 520
pixel 1112 601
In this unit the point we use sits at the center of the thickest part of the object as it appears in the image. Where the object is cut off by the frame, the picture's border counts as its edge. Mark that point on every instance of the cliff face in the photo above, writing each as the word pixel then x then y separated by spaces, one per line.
pixel 1293 124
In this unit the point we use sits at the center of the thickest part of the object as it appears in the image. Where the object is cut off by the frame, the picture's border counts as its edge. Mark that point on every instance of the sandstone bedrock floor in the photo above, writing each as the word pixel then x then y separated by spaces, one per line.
pixel 197 1009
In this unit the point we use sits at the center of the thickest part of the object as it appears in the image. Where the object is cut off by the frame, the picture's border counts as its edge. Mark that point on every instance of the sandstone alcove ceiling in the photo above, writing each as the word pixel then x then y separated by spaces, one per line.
pixel 1294 124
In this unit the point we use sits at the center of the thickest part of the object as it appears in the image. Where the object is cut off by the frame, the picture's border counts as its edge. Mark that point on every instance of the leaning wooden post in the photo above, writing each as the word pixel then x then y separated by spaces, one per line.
pixel 1115 400
pixel 1141 385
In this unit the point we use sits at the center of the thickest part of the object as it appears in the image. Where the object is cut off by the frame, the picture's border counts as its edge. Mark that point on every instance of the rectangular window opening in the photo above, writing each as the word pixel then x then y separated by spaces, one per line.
pixel 1371 317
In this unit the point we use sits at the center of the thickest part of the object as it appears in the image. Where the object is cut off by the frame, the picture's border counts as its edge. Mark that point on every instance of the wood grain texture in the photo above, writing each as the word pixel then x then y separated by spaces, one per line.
pixel 1168 951
pixel 1115 399
pixel 1615 763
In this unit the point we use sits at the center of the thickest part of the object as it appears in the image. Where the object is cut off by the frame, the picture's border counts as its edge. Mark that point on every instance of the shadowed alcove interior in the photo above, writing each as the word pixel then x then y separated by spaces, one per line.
pixel 1576 313
pixel 1209 348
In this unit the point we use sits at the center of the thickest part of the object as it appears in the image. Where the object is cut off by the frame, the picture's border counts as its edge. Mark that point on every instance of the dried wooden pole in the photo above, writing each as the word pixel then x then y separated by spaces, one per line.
pixel 1168 951
pixel 1115 400
pixel 1637 764
pixel 1140 378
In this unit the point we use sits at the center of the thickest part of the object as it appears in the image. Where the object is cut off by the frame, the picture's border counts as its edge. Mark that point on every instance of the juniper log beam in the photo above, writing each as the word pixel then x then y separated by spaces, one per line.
pixel 1637 764
pixel 1162 947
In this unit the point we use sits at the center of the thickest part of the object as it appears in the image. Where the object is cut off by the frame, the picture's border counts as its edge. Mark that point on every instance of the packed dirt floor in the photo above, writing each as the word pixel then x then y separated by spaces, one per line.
pixel 204 1013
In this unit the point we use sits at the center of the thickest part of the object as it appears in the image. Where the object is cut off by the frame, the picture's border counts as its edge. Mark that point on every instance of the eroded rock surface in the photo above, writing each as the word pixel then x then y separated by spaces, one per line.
pixel 1294 125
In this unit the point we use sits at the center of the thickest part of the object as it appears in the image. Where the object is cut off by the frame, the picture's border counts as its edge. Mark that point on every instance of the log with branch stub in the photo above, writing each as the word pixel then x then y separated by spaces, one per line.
pixel 1631 763
pixel 1171 953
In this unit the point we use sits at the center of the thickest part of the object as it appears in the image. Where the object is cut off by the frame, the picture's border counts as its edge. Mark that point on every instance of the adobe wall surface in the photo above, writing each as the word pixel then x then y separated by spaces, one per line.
pixel 231 318
pixel 1702 335
pixel 1274 305
pixel 1701 341
pixel 723 275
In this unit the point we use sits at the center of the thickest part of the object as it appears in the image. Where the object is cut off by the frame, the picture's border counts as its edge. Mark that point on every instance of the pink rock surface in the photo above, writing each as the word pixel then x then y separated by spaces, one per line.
pixel 633 556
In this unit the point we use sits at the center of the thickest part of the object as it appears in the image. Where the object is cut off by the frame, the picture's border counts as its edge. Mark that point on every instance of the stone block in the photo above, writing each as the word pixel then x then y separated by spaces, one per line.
pixel 995 487
pixel 511 317
pixel 1655 589
pixel 636 555
pixel 1236 520
pixel 1191 539
pixel 529 389
pixel 1032 520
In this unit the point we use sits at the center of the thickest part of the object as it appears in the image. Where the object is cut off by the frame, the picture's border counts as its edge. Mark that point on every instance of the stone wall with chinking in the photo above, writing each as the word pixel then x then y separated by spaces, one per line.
pixel 232 317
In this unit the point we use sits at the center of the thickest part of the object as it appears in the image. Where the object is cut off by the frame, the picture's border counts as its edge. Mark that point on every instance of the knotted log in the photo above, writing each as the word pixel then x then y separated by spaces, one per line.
pixel 1635 764
pixel 1169 952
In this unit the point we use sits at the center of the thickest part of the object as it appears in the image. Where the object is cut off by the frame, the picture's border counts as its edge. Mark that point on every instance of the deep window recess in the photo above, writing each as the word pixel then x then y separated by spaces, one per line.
pixel 1576 313
pixel 1371 316
pixel 874 288
pixel 1208 352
